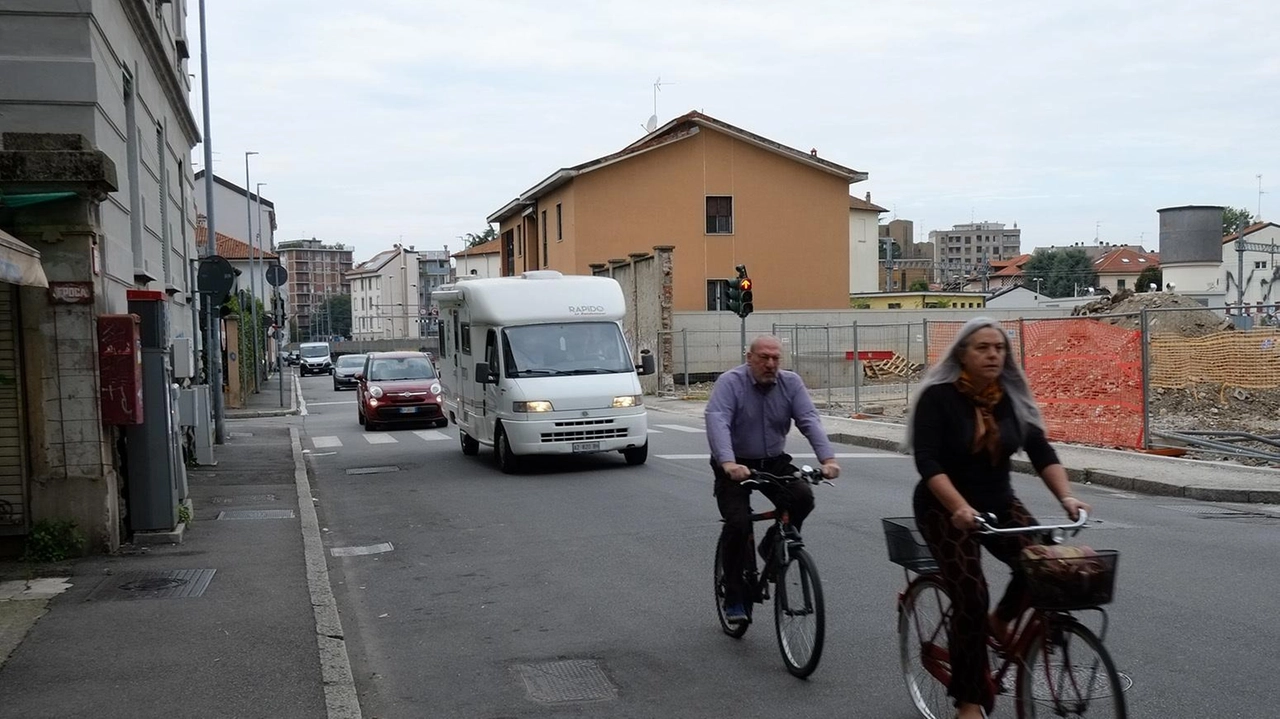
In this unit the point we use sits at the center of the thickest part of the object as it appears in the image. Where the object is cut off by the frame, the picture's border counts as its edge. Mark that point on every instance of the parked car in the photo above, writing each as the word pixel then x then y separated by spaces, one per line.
pixel 345 370
pixel 292 358
pixel 398 387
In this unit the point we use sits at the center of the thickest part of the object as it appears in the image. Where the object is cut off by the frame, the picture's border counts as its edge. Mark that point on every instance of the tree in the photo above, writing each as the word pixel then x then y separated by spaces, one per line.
pixel 919 285
pixel 1062 271
pixel 333 318
pixel 1150 276
pixel 1235 219
pixel 896 249
pixel 471 239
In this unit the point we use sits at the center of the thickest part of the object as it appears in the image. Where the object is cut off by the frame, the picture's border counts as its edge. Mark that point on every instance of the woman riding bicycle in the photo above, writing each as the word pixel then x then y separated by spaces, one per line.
pixel 974 409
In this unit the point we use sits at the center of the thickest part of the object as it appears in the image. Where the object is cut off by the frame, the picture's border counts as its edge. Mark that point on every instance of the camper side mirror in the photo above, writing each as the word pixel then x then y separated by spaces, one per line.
pixel 484 375
pixel 646 365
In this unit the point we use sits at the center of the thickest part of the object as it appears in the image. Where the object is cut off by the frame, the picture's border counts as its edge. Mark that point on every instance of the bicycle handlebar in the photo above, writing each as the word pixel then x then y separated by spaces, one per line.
pixel 805 473
pixel 986 525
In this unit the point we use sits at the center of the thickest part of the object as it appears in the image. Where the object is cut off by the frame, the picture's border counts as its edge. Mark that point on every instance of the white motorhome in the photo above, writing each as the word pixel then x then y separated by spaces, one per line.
pixel 538 364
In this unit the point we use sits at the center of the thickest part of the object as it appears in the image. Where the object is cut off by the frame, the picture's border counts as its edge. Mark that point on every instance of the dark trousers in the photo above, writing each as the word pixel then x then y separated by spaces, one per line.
pixel 734 501
pixel 959 557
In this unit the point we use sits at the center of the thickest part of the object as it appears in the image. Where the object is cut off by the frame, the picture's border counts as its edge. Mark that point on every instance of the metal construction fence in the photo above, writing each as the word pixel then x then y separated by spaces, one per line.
pixel 1096 377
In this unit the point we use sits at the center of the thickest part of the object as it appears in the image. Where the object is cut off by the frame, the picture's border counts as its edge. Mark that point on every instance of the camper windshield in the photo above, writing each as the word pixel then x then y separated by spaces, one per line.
pixel 565 349
pixel 315 350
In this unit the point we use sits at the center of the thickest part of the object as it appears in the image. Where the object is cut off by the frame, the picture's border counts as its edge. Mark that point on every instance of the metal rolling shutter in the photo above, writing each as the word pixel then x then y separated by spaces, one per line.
pixel 13 505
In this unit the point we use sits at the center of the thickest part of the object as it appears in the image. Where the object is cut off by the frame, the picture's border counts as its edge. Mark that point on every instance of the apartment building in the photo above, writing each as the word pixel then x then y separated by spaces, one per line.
pixel 317 271
pixel 386 300
pixel 966 247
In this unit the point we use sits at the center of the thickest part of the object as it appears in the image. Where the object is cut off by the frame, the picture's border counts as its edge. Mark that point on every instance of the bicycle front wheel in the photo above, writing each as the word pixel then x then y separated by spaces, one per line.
pixel 1068 673
pixel 924 616
pixel 799 614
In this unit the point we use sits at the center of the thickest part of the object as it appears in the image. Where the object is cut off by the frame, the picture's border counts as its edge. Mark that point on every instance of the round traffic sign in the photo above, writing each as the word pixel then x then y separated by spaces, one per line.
pixel 216 277
pixel 276 275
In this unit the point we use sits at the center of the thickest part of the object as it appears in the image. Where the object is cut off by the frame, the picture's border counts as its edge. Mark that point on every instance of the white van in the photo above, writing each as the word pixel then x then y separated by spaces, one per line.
pixel 316 358
pixel 538 364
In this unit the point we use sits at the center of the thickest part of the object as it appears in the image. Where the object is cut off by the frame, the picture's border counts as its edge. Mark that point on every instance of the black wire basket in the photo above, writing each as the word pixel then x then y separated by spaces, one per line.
pixel 906 547
pixel 1067 583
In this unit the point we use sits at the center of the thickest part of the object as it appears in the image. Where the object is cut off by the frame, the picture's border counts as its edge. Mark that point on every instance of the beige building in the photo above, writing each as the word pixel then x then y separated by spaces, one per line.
pixel 864 244
pixel 482 260
pixel 965 248
pixel 1119 269
pixel 720 195
pixel 384 296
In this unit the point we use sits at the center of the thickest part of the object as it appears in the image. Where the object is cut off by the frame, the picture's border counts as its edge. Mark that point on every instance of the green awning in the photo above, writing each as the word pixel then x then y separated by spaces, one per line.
pixel 33 198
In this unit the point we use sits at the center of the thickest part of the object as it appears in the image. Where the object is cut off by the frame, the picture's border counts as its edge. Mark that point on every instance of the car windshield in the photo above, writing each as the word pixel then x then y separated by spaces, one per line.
pixel 320 351
pixel 399 368
pixel 347 361
pixel 565 349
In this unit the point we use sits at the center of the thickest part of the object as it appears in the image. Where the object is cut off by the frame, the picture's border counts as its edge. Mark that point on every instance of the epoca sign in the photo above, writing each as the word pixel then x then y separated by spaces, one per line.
pixel 71 293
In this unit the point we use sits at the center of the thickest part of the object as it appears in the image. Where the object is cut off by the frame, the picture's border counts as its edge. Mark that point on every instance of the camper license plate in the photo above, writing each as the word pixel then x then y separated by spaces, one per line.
pixel 586 446
pixel 408 410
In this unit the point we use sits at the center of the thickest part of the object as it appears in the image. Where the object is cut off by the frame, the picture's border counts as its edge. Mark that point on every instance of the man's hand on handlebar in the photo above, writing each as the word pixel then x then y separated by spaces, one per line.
pixel 736 472
pixel 830 469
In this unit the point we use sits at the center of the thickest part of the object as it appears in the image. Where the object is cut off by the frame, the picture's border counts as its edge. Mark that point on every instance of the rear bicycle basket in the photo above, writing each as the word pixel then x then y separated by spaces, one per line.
pixel 906 546
pixel 1064 583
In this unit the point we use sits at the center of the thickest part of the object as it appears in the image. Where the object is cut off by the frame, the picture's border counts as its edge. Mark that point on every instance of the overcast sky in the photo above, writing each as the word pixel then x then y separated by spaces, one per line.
pixel 416 119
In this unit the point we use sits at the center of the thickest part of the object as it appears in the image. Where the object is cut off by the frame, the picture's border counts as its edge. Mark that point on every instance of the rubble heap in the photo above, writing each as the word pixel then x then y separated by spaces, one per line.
pixel 1125 306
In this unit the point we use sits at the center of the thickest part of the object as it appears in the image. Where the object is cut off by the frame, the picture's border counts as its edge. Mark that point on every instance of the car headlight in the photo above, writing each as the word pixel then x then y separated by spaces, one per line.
pixel 435 388
pixel 540 405
pixel 631 400
pixel 375 391
pixel 373 402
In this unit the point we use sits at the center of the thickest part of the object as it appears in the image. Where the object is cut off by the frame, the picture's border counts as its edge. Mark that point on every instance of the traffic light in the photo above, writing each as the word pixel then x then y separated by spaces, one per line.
pixel 740 296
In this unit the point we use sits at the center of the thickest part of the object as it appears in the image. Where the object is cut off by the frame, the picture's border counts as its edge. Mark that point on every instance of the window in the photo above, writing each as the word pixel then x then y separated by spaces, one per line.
pixel 464 334
pixel 717 295
pixel 559 223
pixel 520 240
pixel 895 305
pixel 719 215
pixel 1261 265
pixel 1119 284
pixel 544 238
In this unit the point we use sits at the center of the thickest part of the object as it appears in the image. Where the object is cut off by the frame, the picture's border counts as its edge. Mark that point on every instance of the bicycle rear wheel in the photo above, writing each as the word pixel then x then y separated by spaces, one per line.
pixel 1068 673
pixel 799 614
pixel 732 629
pixel 924 616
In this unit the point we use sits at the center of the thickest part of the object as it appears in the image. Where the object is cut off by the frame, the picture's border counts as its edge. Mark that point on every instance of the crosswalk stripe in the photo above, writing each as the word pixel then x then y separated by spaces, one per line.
pixel 322 442
pixel 431 435
pixel 681 428
pixel 654 431
pixel 839 455
pixel 380 439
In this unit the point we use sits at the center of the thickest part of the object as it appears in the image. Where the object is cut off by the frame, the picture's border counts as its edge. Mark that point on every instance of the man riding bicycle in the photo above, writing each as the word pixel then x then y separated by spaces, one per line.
pixel 748 418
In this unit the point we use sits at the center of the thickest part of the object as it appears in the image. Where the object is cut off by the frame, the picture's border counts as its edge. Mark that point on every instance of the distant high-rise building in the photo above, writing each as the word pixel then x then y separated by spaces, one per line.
pixel 968 247
pixel 316 271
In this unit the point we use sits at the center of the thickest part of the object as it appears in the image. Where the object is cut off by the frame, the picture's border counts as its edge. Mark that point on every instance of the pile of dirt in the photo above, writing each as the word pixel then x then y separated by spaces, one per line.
pixel 1125 307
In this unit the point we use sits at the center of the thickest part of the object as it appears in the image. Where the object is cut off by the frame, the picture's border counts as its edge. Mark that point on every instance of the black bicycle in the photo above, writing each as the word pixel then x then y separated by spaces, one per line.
pixel 798 612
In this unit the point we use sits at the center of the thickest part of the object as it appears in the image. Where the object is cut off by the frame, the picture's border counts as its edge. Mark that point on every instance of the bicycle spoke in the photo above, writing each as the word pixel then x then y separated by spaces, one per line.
pixel 1069 674
pixel 798 614
pixel 922 635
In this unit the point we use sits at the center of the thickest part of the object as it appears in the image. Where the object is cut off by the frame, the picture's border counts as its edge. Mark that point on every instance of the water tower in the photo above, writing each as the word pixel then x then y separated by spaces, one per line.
pixel 1191 252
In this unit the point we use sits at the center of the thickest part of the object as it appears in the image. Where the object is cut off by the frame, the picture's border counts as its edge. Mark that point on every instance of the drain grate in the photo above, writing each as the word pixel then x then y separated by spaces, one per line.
pixel 570 680
pixel 256 514
pixel 239 434
pixel 177 584
pixel 244 499
pixel 373 470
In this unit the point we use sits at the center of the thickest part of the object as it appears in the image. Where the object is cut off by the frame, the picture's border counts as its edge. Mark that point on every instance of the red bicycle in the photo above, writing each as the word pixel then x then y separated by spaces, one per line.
pixel 1060 667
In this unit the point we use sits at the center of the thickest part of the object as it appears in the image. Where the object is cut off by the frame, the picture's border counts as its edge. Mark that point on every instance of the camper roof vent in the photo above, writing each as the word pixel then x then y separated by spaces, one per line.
pixel 542 275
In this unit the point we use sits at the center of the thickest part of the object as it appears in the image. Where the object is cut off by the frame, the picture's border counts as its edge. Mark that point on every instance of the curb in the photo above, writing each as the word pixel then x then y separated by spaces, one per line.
pixel 256 413
pixel 1089 475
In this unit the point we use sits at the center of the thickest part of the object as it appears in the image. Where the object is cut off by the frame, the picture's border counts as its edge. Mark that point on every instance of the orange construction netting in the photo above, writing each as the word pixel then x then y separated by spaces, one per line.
pixel 1086 376
pixel 1248 359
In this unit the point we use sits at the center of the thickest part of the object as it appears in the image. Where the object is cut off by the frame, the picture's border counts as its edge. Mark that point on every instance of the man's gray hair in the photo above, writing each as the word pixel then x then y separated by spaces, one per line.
pixel 1012 378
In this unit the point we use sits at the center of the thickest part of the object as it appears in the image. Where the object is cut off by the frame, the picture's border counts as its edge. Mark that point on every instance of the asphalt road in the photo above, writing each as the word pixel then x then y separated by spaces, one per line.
pixel 504 595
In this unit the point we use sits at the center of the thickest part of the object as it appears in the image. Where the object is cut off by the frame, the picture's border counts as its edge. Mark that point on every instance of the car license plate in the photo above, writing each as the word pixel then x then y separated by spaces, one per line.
pixel 586 446
pixel 408 410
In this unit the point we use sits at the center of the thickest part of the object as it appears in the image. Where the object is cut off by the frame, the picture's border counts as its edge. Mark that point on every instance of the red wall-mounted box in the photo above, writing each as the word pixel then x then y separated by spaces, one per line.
pixel 120 365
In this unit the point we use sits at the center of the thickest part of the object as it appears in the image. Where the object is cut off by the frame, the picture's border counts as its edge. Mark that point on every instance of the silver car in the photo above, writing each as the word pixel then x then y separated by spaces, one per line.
pixel 344 371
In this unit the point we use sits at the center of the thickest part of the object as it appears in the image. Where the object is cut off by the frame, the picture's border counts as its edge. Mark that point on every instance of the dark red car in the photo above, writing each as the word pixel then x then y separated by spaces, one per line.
pixel 398 387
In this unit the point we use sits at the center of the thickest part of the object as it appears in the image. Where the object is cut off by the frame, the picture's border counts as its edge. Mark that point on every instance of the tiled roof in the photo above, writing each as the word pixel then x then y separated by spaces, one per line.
pixel 230 247
pixel 492 247
pixel 374 263
pixel 857 203
pixel 1125 261
pixel 1248 231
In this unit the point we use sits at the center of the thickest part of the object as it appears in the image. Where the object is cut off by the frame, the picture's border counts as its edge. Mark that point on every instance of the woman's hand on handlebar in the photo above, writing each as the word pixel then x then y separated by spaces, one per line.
pixel 965 518
pixel 1073 507
pixel 736 472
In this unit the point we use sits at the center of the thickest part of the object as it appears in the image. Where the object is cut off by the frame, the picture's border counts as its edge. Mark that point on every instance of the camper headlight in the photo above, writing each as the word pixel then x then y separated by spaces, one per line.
pixel 375 391
pixel 540 405
pixel 631 400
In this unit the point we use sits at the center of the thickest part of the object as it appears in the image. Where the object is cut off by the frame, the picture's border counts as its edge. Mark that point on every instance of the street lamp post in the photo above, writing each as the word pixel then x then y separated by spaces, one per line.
pixel 213 348
pixel 257 238
pixel 253 280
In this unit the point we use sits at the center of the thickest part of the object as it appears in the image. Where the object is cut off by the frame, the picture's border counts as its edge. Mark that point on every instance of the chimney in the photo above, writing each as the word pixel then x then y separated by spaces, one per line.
pixel 868 195
pixel 814 152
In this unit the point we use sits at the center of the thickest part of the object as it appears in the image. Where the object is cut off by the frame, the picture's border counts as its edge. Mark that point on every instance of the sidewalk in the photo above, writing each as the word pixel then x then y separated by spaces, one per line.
pixel 1131 471
pixel 236 621
pixel 272 400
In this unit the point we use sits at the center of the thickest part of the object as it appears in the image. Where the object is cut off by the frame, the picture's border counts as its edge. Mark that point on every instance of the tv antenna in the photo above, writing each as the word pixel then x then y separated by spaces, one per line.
pixel 1258 217
pixel 652 124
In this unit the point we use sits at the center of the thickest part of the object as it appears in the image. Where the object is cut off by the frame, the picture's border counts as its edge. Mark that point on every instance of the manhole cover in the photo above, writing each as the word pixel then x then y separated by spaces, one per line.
pixel 373 470
pixel 244 499
pixel 154 585
pixel 240 434
pixel 256 514
pixel 570 680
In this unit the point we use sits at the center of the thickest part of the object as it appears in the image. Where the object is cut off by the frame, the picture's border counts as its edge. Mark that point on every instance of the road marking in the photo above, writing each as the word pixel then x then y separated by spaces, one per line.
pixel 302 402
pixel 681 428
pixel 654 431
pixel 326 404
pixel 357 551
pixel 322 442
pixel 431 435
pixel 839 455
pixel 380 439
pixel 318 454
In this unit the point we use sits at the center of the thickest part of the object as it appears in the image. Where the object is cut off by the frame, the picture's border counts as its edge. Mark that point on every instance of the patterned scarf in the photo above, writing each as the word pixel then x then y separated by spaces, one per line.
pixel 987 434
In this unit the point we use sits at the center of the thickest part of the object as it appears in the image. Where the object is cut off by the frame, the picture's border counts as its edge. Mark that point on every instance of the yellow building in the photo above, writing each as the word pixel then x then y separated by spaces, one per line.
pixel 720 195
pixel 917 300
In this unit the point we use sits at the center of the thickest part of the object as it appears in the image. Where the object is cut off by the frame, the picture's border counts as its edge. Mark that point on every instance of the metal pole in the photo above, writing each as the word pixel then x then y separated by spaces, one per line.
pixel 196 339
pixel 1146 380
pixel 214 347
pixel 684 341
pixel 1240 273
pixel 279 305
pixel 857 373
pixel 1022 342
pixel 742 341
pixel 253 280
pixel 829 382
pixel 261 268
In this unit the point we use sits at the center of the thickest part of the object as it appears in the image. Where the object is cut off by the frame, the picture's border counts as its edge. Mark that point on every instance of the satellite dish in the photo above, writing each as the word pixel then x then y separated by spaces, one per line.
pixel 652 124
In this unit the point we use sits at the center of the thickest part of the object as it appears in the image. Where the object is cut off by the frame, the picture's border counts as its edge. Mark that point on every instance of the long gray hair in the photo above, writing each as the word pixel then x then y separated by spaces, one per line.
pixel 1012 378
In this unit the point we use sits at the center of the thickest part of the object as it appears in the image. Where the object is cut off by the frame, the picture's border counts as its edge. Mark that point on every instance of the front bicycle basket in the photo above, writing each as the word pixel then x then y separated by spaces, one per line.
pixel 1064 578
pixel 906 546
